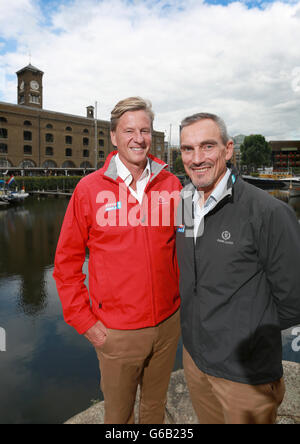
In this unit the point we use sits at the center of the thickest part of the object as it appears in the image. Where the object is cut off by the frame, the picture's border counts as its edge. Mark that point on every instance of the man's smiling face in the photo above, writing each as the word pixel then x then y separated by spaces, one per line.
pixel 204 154
pixel 132 137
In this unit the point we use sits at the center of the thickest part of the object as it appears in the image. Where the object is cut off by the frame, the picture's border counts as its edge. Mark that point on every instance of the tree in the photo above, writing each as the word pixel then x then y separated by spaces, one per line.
pixel 178 167
pixel 256 151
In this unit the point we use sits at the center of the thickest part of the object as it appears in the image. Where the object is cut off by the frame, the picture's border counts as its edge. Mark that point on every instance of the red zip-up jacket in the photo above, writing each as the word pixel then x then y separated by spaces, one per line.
pixel 133 270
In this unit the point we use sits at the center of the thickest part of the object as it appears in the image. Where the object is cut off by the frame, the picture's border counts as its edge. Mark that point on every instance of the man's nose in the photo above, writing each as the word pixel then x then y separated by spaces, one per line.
pixel 198 156
pixel 138 137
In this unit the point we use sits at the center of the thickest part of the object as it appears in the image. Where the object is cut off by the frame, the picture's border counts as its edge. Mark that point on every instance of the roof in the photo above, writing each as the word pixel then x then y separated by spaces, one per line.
pixel 29 67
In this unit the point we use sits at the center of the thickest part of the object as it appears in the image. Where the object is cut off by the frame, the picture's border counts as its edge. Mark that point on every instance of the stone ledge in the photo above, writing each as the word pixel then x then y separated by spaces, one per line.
pixel 179 409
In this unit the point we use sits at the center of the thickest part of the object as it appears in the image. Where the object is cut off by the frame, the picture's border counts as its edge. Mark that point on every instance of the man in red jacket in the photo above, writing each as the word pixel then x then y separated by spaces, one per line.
pixel 124 215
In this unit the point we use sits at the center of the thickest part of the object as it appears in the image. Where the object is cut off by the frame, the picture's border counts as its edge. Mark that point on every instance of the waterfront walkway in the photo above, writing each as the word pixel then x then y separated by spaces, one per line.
pixel 179 409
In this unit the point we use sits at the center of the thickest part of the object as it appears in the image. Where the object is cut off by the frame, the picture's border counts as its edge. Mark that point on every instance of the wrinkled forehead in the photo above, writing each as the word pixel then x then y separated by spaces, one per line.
pixel 199 132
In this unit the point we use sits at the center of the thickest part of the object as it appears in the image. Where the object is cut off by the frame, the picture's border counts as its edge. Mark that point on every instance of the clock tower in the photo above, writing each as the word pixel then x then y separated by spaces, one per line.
pixel 30 87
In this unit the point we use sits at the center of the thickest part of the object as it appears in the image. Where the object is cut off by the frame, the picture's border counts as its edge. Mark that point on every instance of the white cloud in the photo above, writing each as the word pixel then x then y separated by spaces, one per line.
pixel 186 58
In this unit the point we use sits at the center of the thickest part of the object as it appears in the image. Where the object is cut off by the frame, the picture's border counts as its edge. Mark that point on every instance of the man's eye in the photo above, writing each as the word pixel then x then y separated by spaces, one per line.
pixel 186 149
pixel 209 147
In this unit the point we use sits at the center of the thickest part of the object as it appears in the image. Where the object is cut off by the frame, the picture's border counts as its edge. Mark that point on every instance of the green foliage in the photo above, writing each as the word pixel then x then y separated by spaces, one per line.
pixel 178 167
pixel 256 151
pixel 46 183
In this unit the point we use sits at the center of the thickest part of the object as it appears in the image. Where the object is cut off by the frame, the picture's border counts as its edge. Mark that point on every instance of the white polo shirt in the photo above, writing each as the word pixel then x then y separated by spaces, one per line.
pixel 201 209
pixel 126 176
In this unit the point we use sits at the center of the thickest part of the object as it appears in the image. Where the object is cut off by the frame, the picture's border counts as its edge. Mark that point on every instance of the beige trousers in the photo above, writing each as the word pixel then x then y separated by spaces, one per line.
pixel 132 357
pixel 220 401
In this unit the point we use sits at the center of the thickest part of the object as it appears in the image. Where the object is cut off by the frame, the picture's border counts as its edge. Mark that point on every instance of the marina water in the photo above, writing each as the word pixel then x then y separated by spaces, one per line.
pixel 48 372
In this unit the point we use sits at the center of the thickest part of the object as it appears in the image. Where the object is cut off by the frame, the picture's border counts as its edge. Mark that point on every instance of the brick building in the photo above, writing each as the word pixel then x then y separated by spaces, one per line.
pixel 285 154
pixel 31 137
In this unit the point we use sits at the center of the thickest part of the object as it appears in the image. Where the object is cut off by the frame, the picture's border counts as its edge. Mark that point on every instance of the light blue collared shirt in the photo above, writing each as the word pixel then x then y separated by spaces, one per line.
pixel 201 209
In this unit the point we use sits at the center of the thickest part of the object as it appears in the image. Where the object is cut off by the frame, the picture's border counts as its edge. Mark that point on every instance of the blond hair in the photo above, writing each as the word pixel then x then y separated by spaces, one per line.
pixel 130 104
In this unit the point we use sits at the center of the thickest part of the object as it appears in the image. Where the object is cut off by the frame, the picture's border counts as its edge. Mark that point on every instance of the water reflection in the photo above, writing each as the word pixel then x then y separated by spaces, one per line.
pixel 27 243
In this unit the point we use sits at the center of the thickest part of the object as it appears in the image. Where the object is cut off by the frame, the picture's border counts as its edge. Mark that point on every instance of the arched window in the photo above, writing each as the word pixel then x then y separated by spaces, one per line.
pixel 4 163
pixel 3 119
pixel 27 123
pixel 27 164
pixel 68 128
pixel 49 164
pixel 85 165
pixel 85 131
pixel 68 164
pixel 68 152
pixel 49 126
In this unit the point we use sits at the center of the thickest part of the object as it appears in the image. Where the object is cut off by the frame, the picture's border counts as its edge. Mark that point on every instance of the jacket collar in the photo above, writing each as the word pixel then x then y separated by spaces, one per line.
pixel 110 168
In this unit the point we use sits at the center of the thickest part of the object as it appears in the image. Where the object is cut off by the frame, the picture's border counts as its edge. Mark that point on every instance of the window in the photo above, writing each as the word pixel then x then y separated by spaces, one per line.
pixel 3 133
pixel 101 154
pixel 27 164
pixel 3 148
pixel 86 141
pixel 28 150
pixel 34 99
pixel 49 138
pixel 4 163
pixel 28 135
pixel 3 119
pixel 86 153
pixel 49 151
pixel 49 164
pixel 68 152
pixel 85 131
pixel 85 165
pixel 101 142
pixel 27 123
pixel 22 99
pixel 101 133
pixel 49 126
pixel 68 128
pixel 69 140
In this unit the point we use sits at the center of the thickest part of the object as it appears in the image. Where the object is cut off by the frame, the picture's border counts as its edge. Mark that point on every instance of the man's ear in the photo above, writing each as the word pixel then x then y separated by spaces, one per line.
pixel 229 150
pixel 113 138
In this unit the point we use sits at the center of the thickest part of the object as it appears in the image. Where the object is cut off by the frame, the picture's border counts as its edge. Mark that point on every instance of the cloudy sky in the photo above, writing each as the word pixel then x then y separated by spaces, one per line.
pixel 238 59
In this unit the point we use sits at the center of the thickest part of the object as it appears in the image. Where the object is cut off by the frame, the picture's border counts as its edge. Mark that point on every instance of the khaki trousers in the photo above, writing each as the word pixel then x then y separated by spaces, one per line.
pixel 220 401
pixel 132 357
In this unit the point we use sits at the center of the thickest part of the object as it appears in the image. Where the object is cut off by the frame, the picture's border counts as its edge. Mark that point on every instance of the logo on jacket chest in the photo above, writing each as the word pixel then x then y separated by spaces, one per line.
pixel 225 238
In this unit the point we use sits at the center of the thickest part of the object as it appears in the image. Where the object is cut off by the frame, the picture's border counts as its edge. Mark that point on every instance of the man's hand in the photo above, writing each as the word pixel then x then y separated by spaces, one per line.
pixel 97 334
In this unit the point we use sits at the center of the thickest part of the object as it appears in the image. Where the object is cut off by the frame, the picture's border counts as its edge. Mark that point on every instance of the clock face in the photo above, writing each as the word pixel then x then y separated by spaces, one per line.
pixel 22 85
pixel 34 85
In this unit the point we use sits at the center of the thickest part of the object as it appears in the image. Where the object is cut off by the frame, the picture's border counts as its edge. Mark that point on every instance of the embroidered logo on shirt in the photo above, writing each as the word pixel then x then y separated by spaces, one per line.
pixel 226 236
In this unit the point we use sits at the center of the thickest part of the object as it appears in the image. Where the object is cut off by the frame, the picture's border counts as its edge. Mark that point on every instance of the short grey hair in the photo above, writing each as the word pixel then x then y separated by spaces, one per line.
pixel 202 116
pixel 130 104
